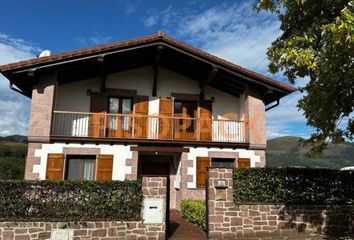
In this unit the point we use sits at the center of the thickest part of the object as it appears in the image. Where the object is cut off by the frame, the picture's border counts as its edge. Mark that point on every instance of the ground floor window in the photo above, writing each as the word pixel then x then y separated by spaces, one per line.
pixel 80 167
pixel 223 162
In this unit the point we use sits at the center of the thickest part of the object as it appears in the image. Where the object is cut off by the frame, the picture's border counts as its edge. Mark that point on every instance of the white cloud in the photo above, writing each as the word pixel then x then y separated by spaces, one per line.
pixel 161 18
pixel 14 108
pixel 94 39
pixel 131 6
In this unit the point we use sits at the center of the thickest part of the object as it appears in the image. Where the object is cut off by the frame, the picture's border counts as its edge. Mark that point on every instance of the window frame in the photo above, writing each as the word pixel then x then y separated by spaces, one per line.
pixel 81 166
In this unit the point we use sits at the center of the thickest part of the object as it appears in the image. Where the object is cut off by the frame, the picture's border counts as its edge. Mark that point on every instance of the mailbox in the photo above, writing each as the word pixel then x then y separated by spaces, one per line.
pixel 221 183
pixel 62 234
pixel 153 210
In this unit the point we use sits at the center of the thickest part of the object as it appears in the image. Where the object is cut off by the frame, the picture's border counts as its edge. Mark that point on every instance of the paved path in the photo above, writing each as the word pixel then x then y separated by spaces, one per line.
pixel 182 229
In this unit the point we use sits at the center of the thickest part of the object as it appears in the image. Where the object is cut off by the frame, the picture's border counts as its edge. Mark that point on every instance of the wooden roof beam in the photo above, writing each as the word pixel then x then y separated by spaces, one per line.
pixel 156 69
pixel 211 77
pixel 103 72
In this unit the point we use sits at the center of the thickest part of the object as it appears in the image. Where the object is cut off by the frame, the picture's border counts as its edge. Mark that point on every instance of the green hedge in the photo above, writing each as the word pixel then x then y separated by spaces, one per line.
pixel 195 212
pixel 293 185
pixel 70 200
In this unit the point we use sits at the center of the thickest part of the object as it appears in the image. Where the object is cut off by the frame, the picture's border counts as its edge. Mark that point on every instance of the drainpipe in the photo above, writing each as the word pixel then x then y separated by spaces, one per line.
pixel 273 106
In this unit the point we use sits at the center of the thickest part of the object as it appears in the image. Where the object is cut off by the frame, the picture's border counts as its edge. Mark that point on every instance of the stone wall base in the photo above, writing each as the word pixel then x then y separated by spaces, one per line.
pixel 89 230
pixel 269 221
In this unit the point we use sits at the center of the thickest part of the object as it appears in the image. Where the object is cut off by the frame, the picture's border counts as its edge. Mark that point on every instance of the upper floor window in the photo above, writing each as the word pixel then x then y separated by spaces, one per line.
pixel 120 105
pixel 123 106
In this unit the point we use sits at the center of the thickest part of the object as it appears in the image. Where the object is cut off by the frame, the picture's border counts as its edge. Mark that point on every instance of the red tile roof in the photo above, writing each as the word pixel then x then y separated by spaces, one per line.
pixel 32 63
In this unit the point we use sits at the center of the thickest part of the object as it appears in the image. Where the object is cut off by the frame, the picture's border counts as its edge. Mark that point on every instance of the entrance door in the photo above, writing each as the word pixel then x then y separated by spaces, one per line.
pixel 155 168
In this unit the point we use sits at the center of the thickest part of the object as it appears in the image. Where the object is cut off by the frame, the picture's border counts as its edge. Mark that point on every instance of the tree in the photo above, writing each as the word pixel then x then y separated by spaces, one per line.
pixel 317 42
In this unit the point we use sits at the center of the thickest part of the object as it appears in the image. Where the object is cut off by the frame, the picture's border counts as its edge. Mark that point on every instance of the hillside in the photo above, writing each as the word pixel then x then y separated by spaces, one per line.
pixel 13 150
pixel 287 152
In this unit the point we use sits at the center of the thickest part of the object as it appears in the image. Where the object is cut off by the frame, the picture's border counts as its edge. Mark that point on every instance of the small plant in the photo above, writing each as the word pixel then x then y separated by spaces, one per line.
pixel 195 212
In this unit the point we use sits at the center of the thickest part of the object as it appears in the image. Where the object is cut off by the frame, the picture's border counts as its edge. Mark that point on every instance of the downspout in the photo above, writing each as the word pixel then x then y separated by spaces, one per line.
pixel 273 106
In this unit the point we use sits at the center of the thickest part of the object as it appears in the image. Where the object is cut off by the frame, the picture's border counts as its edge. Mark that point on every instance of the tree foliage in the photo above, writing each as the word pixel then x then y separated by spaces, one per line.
pixel 317 42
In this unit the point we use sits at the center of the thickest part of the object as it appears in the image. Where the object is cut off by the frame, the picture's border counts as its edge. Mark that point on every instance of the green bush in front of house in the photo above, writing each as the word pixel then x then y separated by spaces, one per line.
pixel 195 212
pixel 293 185
pixel 70 200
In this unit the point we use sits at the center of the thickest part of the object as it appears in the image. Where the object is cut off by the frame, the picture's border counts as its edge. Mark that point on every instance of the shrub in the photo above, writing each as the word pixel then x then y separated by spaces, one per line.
pixel 195 212
pixel 70 200
pixel 293 185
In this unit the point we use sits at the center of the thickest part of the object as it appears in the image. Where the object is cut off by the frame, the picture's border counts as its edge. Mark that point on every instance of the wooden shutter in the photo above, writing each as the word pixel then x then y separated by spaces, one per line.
pixel 243 163
pixel 55 167
pixel 104 167
pixel 141 107
pixel 202 174
pixel 205 115
pixel 165 120
pixel 97 121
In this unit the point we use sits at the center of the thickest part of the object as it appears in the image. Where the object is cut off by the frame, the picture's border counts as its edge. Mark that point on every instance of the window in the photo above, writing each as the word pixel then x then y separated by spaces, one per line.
pixel 120 106
pixel 223 162
pixel 80 167
pixel 186 109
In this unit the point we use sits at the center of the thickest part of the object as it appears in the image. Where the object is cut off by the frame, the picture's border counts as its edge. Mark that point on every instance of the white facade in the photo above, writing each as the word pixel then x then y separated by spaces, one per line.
pixel 121 153
pixel 74 97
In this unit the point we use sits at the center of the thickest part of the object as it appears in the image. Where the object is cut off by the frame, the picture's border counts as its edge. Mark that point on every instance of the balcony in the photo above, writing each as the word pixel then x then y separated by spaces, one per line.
pixel 140 127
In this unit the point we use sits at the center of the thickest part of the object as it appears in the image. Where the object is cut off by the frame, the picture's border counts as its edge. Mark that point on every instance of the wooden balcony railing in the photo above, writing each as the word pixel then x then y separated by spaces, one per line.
pixel 103 125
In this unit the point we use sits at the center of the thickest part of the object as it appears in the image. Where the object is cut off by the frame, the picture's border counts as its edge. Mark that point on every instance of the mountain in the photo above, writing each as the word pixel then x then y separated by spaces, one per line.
pixel 14 138
pixel 288 152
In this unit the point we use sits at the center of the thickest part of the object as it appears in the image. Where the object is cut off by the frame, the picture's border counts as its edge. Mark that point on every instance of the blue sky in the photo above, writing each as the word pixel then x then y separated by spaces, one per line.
pixel 228 29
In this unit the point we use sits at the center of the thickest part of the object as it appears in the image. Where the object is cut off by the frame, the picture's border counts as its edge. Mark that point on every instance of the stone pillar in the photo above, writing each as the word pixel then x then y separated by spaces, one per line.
pixel 223 216
pixel 31 160
pixel 255 117
pixel 133 163
pixel 155 187
pixel 42 103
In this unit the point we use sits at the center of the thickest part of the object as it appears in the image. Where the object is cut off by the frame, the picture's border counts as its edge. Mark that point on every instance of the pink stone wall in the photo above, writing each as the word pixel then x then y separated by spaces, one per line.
pixel 43 96
pixel 258 221
pixel 256 126
pixel 32 160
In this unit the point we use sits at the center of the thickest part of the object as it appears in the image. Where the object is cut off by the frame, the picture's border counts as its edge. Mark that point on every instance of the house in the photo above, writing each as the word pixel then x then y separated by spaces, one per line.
pixel 146 106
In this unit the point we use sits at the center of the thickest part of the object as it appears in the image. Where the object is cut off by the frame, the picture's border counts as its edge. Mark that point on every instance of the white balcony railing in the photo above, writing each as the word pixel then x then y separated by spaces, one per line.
pixel 103 125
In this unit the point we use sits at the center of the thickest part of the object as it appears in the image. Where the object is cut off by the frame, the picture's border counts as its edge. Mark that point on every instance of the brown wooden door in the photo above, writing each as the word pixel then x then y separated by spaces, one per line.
pixel 165 120
pixel 55 167
pixel 205 116
pixel 141 110
pixel 98 108
pixel 185 123
pixel 104 167
pixel 243 163
pixel 202 171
